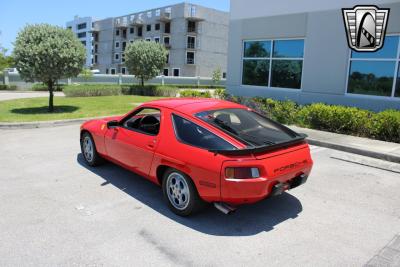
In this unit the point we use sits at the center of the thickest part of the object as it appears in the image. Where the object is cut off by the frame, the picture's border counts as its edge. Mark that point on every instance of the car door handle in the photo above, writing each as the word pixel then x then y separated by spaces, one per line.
pixel 152 144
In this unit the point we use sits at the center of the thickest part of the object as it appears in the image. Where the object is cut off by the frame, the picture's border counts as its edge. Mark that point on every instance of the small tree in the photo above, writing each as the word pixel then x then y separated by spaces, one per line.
pixel 5 61
pixel 216 76
pixel 48 53
pixel 86 74
pixel 145 59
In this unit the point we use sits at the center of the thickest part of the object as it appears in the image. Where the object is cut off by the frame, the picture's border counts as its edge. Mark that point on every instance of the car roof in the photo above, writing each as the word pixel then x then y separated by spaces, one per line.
pixel 193 105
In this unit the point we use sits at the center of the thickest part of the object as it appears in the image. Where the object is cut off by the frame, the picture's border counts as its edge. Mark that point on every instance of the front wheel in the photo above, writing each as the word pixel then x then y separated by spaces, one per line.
pixel 180 193
pixel 89 151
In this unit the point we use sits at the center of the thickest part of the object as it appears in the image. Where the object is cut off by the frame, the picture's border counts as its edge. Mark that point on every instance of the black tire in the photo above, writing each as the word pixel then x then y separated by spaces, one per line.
pixel 95 159
pixel 195 203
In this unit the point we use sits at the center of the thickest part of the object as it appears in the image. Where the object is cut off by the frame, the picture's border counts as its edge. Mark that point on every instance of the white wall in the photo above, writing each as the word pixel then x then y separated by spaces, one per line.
pixel 241 9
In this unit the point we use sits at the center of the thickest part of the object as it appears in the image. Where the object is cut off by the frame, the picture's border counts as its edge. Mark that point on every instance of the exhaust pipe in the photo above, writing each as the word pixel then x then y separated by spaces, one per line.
pixel 224 207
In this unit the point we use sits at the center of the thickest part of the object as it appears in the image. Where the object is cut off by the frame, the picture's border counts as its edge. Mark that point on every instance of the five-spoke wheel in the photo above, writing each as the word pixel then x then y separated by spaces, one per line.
pixel 180 193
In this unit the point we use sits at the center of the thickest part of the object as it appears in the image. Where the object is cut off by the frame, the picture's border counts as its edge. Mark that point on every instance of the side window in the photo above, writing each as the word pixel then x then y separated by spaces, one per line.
pixel 195 135
pixel 146 120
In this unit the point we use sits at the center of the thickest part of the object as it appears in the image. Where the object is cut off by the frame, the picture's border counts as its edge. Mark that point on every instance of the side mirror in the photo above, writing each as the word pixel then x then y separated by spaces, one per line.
pixel 112 124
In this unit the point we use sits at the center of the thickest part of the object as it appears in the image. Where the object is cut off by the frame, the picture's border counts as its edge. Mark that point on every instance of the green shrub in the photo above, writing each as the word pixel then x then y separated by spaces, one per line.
pixel 43 87
pixel 337 119
pixel 281 111
pixel 221 93
pixel 8 87
pixel 386 126
pixel 195 93
pixel 83 90
pixel 150 90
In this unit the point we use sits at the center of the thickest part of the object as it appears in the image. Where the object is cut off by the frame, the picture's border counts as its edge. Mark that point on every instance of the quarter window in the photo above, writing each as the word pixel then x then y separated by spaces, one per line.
pixel 273 63
pixel 376 73
pixel 195 135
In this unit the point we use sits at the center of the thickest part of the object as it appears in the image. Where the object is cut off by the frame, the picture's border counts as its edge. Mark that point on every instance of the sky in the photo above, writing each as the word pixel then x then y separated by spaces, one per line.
pixel 15 14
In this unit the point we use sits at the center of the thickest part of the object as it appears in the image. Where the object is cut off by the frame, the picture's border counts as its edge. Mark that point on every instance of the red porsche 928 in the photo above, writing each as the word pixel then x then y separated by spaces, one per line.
pixel 201 151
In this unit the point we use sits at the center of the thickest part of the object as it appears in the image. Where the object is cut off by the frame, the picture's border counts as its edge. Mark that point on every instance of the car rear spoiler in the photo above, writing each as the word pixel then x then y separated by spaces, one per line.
pixel 260 149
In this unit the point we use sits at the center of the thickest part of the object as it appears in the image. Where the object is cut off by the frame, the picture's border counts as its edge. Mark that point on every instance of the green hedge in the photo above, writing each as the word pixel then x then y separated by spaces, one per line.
pixel 85 90
pixel 8 87
pixel 192 86
pixel 150 90
pixel 43 87
pixel 194 93
pixel 383 125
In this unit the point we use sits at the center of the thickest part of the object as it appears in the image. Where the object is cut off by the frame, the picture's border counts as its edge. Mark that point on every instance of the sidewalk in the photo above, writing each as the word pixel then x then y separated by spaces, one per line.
pixel 357 145
pixel 9 95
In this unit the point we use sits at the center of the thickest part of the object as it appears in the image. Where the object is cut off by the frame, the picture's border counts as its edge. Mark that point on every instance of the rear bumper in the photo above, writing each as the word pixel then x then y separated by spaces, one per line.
pixel 238 192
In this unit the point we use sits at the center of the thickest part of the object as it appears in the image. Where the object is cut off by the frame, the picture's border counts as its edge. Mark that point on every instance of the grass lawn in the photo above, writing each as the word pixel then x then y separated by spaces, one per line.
pixel 35 109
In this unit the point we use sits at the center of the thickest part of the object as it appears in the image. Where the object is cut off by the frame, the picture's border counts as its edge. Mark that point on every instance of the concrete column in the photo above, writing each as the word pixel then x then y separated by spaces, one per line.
pixel 198 80
pixel 6 79
pixel 162 79
pixel 120 79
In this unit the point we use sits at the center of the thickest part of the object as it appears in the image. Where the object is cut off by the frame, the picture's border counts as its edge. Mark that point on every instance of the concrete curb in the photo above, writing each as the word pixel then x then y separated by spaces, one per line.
pixel 43 124
pixel 354 150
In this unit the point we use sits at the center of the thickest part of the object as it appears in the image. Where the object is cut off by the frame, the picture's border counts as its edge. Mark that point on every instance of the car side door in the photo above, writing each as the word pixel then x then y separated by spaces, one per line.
pixel 132 143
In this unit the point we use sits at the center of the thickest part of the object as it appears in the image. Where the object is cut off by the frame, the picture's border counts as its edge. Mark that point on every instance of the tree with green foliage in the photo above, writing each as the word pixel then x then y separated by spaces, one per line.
pixel 47 53
pixel 145 59
pixel 217 76
pixel 86 74
pixel 5 61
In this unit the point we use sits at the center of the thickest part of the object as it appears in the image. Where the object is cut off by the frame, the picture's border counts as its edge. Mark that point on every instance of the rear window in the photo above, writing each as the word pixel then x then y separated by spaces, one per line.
pixel 195 135
pixel 247 126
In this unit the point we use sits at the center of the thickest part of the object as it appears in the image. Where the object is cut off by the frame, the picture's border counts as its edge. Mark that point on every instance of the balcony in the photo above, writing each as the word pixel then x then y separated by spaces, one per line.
pixel 121 24
pixel 137 22
pixel 165 17
pixel 193 15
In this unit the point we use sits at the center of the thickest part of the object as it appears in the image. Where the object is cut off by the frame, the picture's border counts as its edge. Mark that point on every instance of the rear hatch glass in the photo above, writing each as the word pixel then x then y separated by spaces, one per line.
pixel 248 127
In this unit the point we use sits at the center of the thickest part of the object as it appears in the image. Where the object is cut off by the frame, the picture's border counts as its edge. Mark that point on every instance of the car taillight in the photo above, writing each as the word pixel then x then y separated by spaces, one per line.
pixel 242 172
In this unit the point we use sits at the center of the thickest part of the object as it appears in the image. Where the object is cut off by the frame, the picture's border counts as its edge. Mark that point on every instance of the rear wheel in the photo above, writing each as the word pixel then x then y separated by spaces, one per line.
pixel 180 193
pixel 89 151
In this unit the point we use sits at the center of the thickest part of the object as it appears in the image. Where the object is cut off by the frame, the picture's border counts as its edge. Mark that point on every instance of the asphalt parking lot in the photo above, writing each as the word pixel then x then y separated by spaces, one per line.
pixel 56 211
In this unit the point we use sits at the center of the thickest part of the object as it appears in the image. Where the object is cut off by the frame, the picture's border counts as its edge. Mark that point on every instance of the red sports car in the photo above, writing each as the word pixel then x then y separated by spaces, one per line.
pixel 201 150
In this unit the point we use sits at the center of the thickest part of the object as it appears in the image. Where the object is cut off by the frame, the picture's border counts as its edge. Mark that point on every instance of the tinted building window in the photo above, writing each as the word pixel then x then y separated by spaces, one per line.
pixel 255 72
pixel 276 63
pixel 373 73
pixel 288 49
pixel 195 135
pixel 81 26
pixel 82 35
pixel 371 78
pixel 286 73
pixel 257 49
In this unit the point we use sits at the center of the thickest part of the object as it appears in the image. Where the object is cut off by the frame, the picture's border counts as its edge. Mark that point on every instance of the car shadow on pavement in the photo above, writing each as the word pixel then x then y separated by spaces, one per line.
pixel 247 220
